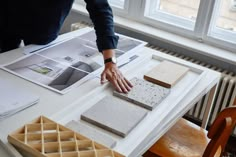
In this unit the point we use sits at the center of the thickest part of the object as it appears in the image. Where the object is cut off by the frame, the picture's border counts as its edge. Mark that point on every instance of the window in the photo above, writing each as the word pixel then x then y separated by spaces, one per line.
pixel 182 12
pixel 117 3
pixel 209 21
pixel 223 25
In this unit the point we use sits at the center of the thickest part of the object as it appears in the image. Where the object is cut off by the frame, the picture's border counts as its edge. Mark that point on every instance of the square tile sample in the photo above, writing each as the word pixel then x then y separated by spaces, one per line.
pixel 115 115
pixel 91 133
pixel 144 93
pixel 166 74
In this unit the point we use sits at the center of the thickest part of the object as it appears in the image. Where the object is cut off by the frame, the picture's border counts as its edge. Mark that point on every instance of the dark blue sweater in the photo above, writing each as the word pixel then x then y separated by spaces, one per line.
pixel 39 21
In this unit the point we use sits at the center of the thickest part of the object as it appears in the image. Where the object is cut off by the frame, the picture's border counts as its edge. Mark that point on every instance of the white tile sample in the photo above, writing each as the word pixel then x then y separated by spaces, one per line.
pixel 144 93
pixel 115 115
pixel 92 133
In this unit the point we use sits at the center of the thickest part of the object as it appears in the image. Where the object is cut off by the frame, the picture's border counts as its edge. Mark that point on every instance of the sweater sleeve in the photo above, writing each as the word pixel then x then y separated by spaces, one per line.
pixel 101 15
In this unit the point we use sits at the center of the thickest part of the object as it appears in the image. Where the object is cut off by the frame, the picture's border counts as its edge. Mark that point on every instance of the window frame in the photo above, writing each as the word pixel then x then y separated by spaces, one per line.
pixel 204 29
pixel 167 18
pixel 220 35
pixel 115 8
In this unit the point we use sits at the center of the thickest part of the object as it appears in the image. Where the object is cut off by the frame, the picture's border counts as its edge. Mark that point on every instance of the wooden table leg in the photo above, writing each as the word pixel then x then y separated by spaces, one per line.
pixel 208 107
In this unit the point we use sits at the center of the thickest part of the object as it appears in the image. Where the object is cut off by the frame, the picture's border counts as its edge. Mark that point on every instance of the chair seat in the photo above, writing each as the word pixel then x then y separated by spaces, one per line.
pixel 184 139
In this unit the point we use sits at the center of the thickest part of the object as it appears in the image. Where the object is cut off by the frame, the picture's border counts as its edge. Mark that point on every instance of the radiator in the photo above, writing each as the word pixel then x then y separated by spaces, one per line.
pixel 225 92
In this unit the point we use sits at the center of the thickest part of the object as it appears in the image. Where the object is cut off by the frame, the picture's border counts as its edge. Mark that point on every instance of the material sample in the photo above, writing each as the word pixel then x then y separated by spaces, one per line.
pixel 115 115
pixel 144 93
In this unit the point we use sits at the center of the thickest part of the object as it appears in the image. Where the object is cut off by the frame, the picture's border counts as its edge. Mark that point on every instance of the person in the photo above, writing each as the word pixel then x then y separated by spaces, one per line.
pixel 39 22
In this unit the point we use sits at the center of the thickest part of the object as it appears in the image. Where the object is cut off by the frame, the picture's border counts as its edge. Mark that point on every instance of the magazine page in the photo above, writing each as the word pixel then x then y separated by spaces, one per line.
pixel 65 65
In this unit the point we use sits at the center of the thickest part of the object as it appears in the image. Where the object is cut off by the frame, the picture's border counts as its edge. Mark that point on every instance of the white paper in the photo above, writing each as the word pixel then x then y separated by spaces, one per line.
pixel 65 65
pixel 14 99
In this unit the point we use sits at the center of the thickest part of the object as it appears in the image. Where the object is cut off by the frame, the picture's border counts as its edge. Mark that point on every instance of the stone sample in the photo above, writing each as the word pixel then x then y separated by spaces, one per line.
pixel 115 115
pixel 144 93
pixel 166 74
pixel 91 133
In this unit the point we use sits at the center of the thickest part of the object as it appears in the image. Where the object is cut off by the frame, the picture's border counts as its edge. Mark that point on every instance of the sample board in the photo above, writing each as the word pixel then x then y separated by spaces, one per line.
pixel 114 115
pixel 144 93
pixel 166 74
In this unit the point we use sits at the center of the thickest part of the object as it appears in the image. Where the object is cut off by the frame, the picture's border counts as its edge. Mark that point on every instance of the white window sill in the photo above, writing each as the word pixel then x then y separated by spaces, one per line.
pixel 191 45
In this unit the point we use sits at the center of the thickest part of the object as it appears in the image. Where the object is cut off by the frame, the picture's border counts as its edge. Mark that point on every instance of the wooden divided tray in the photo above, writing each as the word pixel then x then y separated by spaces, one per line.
pixel 46 138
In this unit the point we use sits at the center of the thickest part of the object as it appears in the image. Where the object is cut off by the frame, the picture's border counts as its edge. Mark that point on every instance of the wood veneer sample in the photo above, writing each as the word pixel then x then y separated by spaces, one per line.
pixel 144 93
pixel 166 74
pixel 115 115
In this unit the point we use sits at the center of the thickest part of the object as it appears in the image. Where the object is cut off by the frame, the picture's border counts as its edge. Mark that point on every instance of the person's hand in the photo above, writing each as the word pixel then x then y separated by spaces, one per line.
pixel 114 75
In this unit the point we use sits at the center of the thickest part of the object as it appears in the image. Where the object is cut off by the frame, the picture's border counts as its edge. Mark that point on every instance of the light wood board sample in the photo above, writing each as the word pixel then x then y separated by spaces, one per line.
pixel 115 115
pixel 166 74
pixel 46 138
pixel 91 133
pixel 144 93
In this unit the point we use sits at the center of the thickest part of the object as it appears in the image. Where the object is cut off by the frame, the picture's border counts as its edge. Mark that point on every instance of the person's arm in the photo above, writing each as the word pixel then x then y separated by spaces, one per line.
pixel 101 15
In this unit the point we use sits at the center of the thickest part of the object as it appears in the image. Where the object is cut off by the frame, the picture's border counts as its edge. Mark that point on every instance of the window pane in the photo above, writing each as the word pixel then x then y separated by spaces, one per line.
pixel 117 3
pixel 114 3
pixel 223 24
pixel 183 8
pixel 181 13
pixel 227 15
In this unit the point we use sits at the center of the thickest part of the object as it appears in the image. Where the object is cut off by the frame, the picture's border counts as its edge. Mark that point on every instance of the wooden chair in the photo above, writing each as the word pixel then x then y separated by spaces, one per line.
pixel 186 139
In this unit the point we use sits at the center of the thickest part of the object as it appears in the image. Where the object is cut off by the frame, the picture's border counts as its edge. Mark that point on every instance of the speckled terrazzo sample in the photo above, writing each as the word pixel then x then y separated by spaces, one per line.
pixel 115 115
pixel 144 93
pixel 91 133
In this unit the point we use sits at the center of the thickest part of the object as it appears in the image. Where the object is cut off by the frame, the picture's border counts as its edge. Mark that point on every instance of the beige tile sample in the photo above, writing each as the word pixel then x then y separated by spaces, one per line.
pixel 115 115
pixel 144 93
pixel 166 74
pixel 92 133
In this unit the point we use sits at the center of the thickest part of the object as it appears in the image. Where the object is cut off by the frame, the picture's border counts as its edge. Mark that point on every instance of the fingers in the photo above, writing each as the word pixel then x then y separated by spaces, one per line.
pixel 121 83
pixel 122 86
pixel 128 83
pixel 116 85
pixel 103 78
pixel 112 74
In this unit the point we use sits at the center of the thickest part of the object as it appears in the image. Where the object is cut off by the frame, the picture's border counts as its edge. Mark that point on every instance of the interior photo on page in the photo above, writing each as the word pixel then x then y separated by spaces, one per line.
pixel 49 73
pixel 73 52
pixel 125 43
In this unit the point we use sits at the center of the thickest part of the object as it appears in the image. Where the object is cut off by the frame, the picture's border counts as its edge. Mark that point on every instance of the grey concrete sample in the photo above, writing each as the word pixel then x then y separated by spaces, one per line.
pixel 144 93
pixel 92 133
pixel 115 115
pixel 166 74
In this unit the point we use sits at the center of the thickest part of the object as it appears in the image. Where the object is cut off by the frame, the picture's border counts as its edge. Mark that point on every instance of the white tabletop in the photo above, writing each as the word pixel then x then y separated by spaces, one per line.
pixel 53 105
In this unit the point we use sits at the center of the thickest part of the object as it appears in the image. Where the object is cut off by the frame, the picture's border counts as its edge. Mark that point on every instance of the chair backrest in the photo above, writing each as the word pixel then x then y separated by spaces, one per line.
pixel 220 131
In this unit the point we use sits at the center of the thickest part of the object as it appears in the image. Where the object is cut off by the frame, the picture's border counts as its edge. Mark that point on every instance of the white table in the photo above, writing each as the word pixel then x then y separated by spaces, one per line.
pixel 54 105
